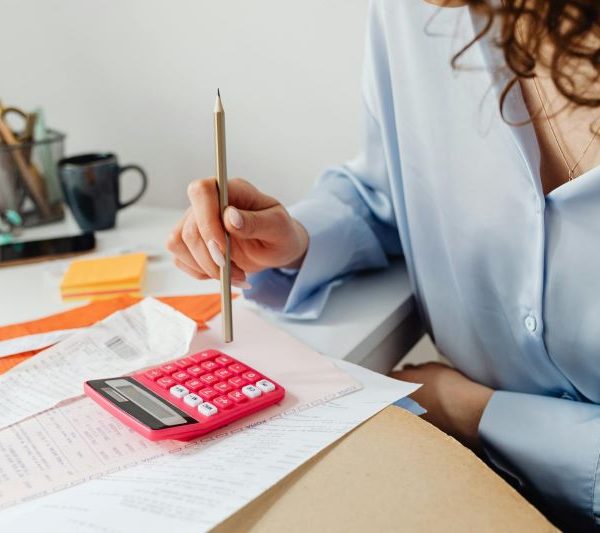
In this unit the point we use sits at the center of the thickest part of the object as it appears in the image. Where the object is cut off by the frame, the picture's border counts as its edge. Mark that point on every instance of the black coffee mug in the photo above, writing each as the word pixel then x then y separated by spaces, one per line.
pixel 90 184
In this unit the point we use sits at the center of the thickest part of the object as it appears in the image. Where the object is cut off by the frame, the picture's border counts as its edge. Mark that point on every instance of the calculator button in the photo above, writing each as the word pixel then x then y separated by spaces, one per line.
pixel 251 376
pixel 222 402
pixel 153 374
pixel 194 384
pixel 237 396
pixel 223 386
pixel 209 379
pixel 169 369
pixel 223 373
pixel 192 400
pixel 237 381
pixel 179 391
pixel 181 376
pixel 204 356
pixel 195 371
pixel 251 391
pixel 265 385
pixel 209 366
pixel 207 409
pixel 207 393
pixel 184 363
pixel 237 368
pixel 223 360
pixel 165 382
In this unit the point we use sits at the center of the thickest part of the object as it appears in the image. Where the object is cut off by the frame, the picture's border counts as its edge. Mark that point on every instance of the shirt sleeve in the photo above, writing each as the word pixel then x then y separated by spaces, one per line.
pixel 349 218
pixel 551 445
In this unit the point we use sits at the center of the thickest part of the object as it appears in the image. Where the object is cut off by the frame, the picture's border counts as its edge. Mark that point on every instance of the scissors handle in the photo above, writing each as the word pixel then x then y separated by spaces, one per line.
pixel 28 119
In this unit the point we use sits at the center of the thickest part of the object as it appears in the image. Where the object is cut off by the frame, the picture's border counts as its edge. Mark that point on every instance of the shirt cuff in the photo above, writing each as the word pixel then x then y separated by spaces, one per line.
pixel 548 443
pixel 339 242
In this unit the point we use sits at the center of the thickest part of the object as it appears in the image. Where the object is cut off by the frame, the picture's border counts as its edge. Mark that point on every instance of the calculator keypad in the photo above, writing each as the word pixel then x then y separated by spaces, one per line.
pixel 251 391
pixel 166 382
pixel 179 391
pixel 192 400
pixel 210 383
pixel 207 409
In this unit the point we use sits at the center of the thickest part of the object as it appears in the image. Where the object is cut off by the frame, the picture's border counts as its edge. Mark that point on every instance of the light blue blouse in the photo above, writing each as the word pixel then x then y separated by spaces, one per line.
pixel 507 280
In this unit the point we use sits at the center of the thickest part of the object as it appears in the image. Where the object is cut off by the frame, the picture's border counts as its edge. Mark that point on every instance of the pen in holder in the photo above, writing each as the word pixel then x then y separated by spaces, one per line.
pixel 28 169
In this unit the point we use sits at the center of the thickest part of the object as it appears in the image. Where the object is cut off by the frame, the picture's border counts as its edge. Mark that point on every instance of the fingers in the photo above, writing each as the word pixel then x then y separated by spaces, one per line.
pixel 204 200
pixel 190 271
pixel 192 255
pixel 191 237
pixel 269 225
pixel 239 283
pixel 246 196
pixel 199 240
pixel 178 248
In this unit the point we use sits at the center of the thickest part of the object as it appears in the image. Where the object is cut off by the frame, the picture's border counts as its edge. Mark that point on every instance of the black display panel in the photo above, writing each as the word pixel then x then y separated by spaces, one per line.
pixel 140 402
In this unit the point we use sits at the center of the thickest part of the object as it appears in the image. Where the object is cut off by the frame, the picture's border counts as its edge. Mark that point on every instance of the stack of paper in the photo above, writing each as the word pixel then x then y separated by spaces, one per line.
pixel 104 277
pixel 78 468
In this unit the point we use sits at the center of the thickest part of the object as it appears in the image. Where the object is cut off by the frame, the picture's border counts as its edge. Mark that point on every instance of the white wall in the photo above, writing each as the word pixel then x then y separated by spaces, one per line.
pixel 138 77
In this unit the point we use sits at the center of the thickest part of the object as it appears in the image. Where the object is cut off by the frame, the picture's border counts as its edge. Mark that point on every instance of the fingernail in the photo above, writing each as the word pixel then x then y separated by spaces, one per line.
pixel 215 253
pixel 234 217
pixel 242 284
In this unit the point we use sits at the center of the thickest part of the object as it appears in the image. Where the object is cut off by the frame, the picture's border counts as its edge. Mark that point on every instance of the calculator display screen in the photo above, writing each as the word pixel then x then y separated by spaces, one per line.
pixel 148 402
pixel 150 405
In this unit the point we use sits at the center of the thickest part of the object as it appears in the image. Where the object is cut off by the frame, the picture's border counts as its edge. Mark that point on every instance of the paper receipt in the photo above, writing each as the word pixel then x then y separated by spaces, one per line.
pixel 144 334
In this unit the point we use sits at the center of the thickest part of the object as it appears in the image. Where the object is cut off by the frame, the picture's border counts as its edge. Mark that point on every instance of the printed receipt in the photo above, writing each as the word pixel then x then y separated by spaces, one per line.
pixel 195 488
pixel 144 334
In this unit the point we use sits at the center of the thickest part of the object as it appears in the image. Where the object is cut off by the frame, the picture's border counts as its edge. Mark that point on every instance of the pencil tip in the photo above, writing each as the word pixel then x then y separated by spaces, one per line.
pixel 218 93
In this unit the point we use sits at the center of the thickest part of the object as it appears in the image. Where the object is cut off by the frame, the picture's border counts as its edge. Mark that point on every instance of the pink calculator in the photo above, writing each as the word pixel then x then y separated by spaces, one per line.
pixel 186 398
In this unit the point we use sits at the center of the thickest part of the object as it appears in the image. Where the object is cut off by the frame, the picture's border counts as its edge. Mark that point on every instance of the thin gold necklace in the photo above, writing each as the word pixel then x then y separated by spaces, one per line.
pixel 571 169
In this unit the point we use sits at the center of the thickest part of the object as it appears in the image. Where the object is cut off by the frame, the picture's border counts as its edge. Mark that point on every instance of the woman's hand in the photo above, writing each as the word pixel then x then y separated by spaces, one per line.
pixel 454 403
pixel 262 233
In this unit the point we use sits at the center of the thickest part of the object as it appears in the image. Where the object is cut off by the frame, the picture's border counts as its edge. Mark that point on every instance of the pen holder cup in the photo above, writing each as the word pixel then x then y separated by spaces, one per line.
pixel 29 181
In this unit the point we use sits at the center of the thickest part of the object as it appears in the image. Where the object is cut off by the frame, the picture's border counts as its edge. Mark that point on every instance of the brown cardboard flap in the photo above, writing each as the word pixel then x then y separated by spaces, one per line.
pixel 396 472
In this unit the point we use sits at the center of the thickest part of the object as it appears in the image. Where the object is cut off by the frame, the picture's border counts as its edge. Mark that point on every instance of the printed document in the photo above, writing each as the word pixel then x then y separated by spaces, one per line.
pixel 144 334
pixel 202 484
pixel 79 440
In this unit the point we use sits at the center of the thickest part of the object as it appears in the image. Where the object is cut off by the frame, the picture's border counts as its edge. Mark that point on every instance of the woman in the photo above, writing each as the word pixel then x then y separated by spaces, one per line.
pixel 495 209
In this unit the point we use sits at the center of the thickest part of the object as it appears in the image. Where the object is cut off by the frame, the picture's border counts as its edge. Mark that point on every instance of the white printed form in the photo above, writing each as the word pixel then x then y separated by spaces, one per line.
pixel 200 486
pixel 79 440
pixel 144 334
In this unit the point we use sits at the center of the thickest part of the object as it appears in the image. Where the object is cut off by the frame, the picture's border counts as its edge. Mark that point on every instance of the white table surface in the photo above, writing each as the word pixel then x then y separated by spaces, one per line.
pixel 360 315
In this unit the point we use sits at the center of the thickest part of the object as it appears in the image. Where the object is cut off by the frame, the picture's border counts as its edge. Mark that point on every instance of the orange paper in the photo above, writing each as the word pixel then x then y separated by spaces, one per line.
pixel 199 308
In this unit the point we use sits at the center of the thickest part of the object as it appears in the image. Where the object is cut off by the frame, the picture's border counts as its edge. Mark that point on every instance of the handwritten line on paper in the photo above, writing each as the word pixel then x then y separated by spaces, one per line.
pixel 144 334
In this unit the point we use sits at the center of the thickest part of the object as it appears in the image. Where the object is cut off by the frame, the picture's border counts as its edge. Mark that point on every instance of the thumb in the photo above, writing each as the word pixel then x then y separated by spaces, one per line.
pixel 266 224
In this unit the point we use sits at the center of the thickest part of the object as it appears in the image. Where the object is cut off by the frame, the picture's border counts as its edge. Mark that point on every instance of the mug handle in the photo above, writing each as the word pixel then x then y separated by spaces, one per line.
pixel 142 190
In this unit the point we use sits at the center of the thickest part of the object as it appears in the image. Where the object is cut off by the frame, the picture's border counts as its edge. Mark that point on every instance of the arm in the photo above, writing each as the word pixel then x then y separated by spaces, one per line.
pixel 550 444
pixel 347 223
pixel 349 218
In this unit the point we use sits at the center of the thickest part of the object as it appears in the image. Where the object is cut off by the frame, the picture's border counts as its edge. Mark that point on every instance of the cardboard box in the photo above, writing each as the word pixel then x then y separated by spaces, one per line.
pixel 396 472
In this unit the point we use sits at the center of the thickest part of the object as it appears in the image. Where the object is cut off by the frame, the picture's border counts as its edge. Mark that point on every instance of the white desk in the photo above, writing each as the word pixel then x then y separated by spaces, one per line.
pixel 370 320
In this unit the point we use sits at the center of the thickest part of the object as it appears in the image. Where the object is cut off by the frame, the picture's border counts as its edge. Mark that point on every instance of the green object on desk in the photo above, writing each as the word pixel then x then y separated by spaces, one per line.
pixel 13 217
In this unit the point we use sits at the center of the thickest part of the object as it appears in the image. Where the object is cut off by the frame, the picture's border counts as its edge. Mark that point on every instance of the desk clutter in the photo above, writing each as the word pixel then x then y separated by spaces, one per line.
pixel 29 153
pixel 35 179
pixel 109 460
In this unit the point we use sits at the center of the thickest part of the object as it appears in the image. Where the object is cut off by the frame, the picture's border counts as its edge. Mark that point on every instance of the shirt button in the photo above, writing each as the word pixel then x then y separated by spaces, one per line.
pixel 530 323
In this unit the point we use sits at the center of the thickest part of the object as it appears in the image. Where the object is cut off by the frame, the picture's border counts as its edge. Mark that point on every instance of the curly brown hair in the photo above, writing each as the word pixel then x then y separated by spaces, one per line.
pixel 563 36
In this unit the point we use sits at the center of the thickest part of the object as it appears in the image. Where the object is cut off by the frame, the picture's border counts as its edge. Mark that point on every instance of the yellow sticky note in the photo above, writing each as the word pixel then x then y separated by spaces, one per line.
pixel 104 276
